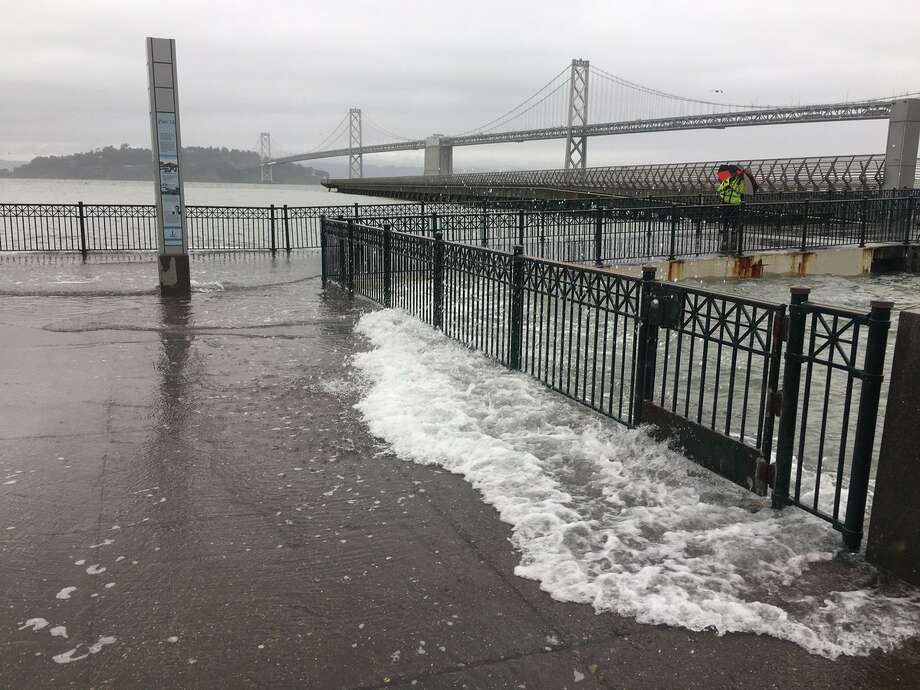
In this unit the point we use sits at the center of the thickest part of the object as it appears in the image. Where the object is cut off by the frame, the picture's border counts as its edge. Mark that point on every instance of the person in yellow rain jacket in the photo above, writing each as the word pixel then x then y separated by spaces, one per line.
pixel 731 194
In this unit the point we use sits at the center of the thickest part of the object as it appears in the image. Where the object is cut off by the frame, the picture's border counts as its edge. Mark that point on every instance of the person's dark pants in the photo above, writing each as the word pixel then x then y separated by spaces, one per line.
pixel 729 237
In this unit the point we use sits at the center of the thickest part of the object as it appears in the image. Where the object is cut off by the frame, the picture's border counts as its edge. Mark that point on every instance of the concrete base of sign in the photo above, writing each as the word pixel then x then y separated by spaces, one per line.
pixel 175 277
pixel 894 530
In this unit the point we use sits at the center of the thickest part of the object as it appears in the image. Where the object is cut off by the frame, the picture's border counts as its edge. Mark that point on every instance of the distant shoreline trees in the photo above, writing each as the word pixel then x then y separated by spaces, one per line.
pixel 199 164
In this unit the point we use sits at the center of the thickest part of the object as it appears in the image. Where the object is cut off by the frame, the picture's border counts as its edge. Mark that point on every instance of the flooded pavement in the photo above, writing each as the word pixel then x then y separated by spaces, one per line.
pixel 188 498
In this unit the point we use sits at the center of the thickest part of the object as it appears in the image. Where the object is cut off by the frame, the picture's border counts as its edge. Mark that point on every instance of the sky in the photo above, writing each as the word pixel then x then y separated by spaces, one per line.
pixel 74 74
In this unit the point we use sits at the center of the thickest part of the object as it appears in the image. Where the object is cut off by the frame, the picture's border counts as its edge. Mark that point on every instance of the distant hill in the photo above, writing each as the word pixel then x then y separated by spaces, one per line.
pixel 199 164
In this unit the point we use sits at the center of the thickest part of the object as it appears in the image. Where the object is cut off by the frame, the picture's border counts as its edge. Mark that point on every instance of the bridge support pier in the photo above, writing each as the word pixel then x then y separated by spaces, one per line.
pixel 903 137
pixel 439 157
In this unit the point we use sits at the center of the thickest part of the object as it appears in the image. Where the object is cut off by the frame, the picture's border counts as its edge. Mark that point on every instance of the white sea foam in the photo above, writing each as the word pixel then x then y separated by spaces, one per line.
pixel 35 624
pixel 206 286
pixel 65 593
pixel 74 655
pixel 606 516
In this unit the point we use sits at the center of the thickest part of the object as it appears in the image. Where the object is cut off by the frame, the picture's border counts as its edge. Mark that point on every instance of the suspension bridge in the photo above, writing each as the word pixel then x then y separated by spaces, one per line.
pixel 583 101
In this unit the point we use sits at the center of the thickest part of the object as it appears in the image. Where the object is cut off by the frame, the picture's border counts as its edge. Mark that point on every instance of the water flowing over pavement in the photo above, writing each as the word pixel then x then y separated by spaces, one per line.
pixel 189 498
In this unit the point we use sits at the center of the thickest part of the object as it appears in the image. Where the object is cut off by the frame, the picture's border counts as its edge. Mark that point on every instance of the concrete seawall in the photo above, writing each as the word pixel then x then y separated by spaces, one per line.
pixel 841 261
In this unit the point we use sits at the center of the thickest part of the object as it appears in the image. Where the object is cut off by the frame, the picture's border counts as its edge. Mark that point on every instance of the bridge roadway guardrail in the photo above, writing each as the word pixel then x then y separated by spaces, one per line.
pixel 620 229
pixel 697 364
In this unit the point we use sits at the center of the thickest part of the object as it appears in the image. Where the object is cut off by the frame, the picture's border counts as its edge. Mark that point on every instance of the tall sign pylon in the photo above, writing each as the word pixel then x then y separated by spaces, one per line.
pixel 355 157
pixel 169 187
pixel 265 154
pixel 576 143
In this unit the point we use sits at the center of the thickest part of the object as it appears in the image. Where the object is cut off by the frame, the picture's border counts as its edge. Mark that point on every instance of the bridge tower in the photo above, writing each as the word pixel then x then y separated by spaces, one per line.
pixel 576 146
pixel 265 154
pixel 355 157
pixel 903 137
pixel 439 157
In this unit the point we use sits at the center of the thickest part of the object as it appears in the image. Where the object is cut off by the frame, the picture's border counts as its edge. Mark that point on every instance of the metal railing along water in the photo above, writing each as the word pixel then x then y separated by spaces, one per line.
pixel 88 228
pixel 638 233
pixel 627 347
pixel 619 230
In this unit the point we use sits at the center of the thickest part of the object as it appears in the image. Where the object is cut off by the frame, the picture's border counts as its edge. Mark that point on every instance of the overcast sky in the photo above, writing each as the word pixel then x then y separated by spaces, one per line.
pixel 73 73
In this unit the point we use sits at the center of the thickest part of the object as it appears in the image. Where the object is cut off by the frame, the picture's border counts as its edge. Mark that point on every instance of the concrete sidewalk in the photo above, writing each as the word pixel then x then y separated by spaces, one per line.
pixel 197 473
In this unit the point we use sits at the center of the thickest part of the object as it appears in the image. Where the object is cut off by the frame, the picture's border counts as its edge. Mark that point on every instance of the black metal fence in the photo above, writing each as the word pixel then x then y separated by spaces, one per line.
pixel 626 347
pixel 618 230
pixel 820 466
pixel 88 228
pixel 639 233
pixel 717 360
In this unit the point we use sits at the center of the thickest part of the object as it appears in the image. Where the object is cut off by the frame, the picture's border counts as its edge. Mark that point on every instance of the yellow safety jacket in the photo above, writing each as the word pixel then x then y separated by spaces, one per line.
pixel 731 190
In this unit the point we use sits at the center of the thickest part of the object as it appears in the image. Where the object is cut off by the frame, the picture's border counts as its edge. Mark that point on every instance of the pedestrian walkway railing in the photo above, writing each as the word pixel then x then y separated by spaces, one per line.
pixel 698 365
pixel 606 236
pixel 603 232
pixel 88 228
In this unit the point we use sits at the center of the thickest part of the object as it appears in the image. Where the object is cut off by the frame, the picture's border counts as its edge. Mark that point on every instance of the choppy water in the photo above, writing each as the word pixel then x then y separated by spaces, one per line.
pixel 854 292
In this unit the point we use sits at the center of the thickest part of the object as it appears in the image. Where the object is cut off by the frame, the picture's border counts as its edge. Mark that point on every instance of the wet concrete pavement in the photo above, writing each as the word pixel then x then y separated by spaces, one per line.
pixel 196 472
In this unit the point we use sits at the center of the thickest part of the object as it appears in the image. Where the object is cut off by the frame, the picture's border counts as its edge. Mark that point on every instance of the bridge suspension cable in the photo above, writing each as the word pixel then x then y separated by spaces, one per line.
pixel 371 125
pixel 604 74
pixel 334 135
pixel 547 91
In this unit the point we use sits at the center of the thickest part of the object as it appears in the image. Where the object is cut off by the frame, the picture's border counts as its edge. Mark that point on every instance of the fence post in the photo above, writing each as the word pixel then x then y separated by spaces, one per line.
pixel 434 222
pixel 646 347
pixel 908 219
pixel 864 209
pixel 599 238
pixel 872 375
pixel 342 246
pixel 438 302
pixel 777 339
pixel 805 226
pixel 542 232
pixel 515 341
pixel 357 214
pixel 739 235
pixel 271 224
pixel 387 266
pixel 672 250
pixel 698 230
pixel 485 228
pixel 82 229
pixel 792 373
pixel 350 258
pixel 521 227
pixel 287 231
pixel 322 249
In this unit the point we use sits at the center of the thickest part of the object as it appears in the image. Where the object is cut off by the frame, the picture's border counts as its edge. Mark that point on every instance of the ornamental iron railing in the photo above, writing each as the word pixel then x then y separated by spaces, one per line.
pixel 621 230
pixel 88 228
pixel 702 366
